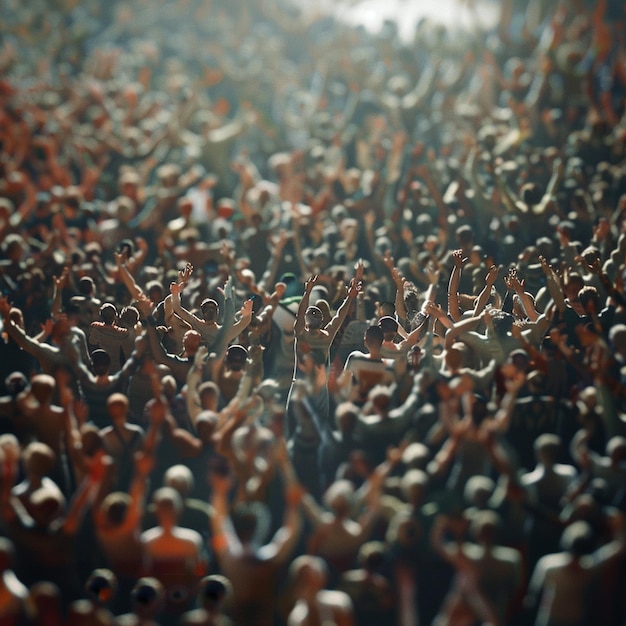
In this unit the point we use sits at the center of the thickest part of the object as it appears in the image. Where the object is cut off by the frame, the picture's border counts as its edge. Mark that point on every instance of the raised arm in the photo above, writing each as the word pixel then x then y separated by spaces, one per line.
pixel 300 322
pixel 553 284
pixel 485 294
pixel 454 309
pixel 342 312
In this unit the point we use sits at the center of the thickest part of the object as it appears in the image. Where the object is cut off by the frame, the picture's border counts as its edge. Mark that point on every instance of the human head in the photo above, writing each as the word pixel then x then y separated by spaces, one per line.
pixel 236 358
pixel 251 521
pixel 210 310
pixel 214 591
pixel 114 507
pixel 547 448
pixel 308 574
pixel 578 539
pixel 484 527
pixel 42 387
pixel 179 478
pixel 313 317
pixel 39 459
pixel 101 586
pixel 108 313
pixel 346 415
pixel 374 337
pixel 147 597
pixel 389 326
pixel 16 382
pixel 371 556
pixel 339 497
pixel 414 484
pixel 168 505
pixel 101 362
pixel 209 394
pixel 117 407
pixel 191 341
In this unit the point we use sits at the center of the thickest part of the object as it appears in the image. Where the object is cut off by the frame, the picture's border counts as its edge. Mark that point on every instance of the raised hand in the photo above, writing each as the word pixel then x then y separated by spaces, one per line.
pixel 389 261
pixel 311 282
pixel 458 258
pixel 354 288
pixel 492 275
pixel 358 275
pixel 200 355
pixel 61 281
pixel 176 288
pixel 144 304
pixel 185 275
pixel 246 309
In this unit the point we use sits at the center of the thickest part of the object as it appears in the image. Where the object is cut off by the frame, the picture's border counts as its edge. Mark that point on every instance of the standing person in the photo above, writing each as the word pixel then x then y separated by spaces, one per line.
pixel 313 339
pixel 365 370
pixel 561 585
pixel 173 555
pixel 251 565
pixel 488 575
pixel 314 604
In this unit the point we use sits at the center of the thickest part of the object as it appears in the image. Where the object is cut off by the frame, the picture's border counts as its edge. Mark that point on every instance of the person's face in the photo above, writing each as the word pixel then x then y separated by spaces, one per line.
pixel 313 318
pixel 117 411
pixel 210 311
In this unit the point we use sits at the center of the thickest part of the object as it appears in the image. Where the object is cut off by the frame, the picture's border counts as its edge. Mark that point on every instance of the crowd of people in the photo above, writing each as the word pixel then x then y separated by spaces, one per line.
pixel 308 325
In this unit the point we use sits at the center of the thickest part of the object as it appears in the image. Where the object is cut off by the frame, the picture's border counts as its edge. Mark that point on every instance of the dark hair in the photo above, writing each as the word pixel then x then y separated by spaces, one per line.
pixel 388 324
pixel 375 335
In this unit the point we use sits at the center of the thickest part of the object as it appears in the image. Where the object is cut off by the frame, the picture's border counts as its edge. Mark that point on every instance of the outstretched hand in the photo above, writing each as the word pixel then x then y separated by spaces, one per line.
pixel 311 282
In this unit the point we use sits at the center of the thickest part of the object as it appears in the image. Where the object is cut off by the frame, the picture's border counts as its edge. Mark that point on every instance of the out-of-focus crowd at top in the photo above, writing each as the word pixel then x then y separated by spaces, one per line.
pixel 304 324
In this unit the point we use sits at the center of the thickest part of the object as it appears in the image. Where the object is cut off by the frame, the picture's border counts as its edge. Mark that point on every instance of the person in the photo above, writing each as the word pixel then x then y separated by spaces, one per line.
pixel 12 591
pixel 98 386
pixel 147 597
pixel 108 335
pixel 208 326
pixel 313 339
pixel 367 369
pixel 238 543
pixel 561 586
pixel 372 594
pixel 313 603
pixel 488 575
pixel 121 440
pixel 214 597
pixel 174 555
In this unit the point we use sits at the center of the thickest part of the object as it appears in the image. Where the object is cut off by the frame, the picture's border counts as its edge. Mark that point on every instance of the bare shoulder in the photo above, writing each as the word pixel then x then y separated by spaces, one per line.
pixel 336 600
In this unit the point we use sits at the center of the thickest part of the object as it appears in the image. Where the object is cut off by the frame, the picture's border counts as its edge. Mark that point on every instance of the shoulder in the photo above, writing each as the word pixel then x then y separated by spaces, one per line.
pixel 336 600
pixel 189 535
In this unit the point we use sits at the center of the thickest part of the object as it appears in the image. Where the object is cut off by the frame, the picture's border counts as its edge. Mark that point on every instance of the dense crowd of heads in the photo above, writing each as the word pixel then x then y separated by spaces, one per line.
pixel 304 324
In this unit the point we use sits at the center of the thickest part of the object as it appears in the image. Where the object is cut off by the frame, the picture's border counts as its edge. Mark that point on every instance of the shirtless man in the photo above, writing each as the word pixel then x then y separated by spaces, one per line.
pixel 313 338
pixel 367 369
pixel 250 565
pixel 173 555
pixel 208 326
pixel 316 606
pixel 488 575
pixel 561 584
